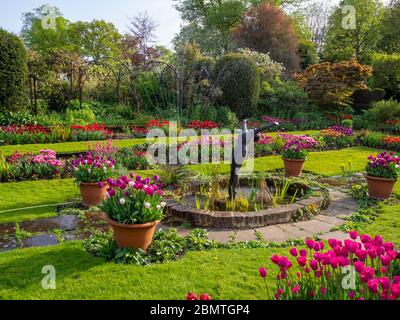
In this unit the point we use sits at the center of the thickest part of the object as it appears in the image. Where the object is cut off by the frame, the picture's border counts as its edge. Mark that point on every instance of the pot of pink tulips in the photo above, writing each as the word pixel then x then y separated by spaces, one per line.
pixel 134 208
pixel 92 171
pixel 358 268
pixel 294 154
pixel 382 174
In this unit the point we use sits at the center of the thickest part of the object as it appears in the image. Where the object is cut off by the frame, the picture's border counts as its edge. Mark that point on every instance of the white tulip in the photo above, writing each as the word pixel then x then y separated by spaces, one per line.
pixel 122 201
pixel 163 204
pixel 147 205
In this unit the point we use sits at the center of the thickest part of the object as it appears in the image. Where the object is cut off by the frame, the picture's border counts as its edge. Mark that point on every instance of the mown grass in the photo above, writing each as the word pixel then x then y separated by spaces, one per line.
pixel 387 224
pixel 18 195
pixel 230 274
pixel 81 146
pixel 325 163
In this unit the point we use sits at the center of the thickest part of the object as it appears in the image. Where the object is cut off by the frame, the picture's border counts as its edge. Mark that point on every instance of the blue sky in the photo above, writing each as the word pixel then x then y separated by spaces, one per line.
pixel 115 11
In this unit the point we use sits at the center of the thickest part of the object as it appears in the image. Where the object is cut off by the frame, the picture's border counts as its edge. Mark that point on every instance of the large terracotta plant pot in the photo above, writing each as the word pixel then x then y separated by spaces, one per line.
pixel 136 236
pixel 91 194
pixel 294 167
pixel 380 188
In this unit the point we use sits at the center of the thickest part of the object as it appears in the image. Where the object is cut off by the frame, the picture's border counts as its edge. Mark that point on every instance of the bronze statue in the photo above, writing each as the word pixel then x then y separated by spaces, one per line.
pixel 239 154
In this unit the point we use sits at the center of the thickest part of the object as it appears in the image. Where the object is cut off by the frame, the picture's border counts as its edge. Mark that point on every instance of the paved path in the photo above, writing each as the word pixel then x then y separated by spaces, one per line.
pixel 73 228
pixel 342 205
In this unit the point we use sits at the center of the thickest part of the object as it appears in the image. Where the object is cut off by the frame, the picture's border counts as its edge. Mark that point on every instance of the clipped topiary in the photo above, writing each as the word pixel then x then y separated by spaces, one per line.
pixel 13 72
pixel 364 98
pixel 239 80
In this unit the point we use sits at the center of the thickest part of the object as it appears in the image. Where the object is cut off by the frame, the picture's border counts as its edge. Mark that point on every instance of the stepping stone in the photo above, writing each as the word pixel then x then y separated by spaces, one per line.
pixel 65 223
pixel 314 226
pixel 42 240
pixel 295 233
pixel 245 235
pixel 339 235
pixel 274 234
pixel 330 220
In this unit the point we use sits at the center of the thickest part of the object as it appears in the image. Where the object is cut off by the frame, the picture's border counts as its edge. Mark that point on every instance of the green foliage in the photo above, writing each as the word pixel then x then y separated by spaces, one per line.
pixel 238 78
pixel 83 116
pixel 390 39
pixel 19 117
pixel 282 99
pixel 308 53
pixel 373 139
pixel 13 72
pixel 347 43
pixel 167 245
pixel 383 111
pixel 363 98
pixel 386 73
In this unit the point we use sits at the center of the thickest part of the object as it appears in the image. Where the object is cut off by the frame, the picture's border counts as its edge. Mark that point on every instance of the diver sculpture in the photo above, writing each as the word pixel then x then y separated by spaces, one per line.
pixel 239 154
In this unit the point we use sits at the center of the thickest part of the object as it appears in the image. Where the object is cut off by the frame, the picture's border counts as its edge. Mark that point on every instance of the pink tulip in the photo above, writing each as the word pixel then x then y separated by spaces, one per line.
pixel 294 252
pixel 396 279
pixel 385 283
pixel 378 241
pixel 310 243
pixel 373 285
pixel 314 265
pixel 352 294
pixel 296 289
pixel 361 254
pixel 303 252
pixel 353 235
pixel 332 243
pixel 389 246
pixel 263 272
pixel 365 238
pixel 372 253
pixel 359 266
pixel 302 261
pixel 385 260
pixel 275 259
pixel 323 291
pixel 307 270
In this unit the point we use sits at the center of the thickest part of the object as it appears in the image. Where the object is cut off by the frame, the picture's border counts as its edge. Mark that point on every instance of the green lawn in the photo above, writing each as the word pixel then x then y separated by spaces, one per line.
pixel 33 193
pixel 387 224
pixel 231 274
pixel 326 163
pixel 66 147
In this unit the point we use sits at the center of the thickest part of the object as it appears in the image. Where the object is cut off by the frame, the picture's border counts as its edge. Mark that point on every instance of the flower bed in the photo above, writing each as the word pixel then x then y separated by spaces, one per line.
pixel 338 136
pixel 370 264
pixel 27 166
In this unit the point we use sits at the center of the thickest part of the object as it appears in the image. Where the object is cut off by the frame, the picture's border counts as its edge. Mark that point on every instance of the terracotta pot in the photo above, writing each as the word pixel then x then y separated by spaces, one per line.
pixel 380 188
pixel 136 236
pixel 91 194
pixel 294 167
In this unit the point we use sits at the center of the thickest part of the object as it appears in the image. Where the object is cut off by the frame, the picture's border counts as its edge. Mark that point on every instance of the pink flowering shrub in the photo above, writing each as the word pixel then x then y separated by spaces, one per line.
pixel 373 262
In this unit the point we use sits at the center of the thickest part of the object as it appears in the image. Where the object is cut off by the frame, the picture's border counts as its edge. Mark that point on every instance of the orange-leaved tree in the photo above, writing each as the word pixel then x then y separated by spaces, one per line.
pixel 330 85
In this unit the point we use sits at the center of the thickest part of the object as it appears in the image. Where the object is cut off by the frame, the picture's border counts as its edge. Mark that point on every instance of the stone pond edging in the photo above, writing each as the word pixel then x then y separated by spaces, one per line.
pixel 240 220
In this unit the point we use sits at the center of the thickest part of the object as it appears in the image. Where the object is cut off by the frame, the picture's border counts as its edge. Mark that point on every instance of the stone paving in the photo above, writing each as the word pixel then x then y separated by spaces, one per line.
pixel 321 225
pixel 73 227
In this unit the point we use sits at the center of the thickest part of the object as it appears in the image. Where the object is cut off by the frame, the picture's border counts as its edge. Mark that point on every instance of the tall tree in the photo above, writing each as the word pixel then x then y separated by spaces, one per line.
pixel 390 41
pixel 138 51
pixel 267 29
pixel 354 30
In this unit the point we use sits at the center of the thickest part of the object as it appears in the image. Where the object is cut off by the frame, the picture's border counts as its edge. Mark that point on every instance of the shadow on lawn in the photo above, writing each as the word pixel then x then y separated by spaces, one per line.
pixel 21 269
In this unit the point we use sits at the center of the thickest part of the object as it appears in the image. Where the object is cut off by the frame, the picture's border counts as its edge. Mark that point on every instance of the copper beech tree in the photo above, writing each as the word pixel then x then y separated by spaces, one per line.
pixel 330 85
pixel 267 29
